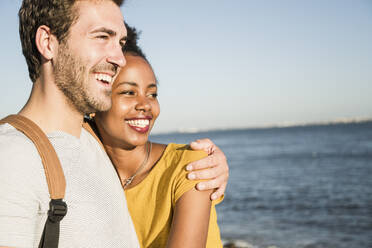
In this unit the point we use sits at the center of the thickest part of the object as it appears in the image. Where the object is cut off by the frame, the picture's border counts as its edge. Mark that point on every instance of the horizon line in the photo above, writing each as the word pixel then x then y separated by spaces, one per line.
pixel 269 126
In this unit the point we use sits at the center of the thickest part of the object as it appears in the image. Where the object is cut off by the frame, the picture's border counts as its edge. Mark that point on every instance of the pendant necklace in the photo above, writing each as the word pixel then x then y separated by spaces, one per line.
pixel 128 181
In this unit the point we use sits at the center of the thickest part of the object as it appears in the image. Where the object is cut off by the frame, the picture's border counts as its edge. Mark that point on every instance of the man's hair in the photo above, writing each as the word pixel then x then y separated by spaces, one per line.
pixel 58 15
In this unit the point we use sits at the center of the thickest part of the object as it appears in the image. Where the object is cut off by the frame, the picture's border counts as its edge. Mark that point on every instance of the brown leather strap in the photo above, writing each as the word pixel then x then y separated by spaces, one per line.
pixel 89 128
pixel 52 166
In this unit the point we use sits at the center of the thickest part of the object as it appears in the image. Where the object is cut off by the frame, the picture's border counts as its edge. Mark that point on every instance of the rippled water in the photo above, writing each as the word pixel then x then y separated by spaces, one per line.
pixel 296 187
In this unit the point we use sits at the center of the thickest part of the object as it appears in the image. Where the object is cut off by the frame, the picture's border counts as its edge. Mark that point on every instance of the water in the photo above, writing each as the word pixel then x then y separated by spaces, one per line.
pixel 296 187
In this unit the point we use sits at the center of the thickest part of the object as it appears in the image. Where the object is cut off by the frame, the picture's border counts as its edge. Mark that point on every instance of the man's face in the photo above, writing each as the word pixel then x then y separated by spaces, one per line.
pixel 89 59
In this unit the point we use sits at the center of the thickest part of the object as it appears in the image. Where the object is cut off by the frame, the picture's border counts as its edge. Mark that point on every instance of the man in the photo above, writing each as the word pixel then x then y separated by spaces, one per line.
pixel 73 51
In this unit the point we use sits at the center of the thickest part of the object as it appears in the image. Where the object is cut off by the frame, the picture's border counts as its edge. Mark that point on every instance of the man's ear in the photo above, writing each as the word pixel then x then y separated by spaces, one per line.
pixel 46 42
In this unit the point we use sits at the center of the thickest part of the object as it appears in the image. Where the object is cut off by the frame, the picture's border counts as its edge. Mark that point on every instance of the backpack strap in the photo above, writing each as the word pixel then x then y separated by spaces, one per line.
pixel 53 173
pixel 91 127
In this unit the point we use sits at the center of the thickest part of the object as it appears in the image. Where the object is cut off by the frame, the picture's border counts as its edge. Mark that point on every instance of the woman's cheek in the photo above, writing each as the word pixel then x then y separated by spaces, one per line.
pixel 124 107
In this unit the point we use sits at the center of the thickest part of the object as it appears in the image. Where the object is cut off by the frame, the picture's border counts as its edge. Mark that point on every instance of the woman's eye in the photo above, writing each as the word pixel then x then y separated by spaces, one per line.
pixel 154 95
pixel 127 92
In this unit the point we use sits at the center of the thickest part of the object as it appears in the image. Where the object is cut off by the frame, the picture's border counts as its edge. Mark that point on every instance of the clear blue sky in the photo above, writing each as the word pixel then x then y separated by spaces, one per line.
pixel 237 63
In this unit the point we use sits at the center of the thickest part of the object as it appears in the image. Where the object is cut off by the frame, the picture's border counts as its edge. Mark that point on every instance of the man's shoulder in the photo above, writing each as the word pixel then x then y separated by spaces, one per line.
pixel 91 141
pixel 23 188
pixel 14 145
pixel 10 137
pixel 20 163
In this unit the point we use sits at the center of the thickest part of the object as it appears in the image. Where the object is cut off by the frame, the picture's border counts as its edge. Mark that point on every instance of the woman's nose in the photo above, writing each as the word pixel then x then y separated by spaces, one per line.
pixel 143 104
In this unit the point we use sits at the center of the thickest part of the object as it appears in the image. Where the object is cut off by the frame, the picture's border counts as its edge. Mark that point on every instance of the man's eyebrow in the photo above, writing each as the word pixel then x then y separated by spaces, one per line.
pixel 110 32
pixel 104 30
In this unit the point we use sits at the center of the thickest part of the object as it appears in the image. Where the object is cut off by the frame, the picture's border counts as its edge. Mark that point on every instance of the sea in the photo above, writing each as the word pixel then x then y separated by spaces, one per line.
pixel 306 186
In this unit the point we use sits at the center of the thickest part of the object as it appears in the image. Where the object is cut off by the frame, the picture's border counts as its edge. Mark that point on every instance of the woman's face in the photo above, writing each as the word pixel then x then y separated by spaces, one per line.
pixel 134 106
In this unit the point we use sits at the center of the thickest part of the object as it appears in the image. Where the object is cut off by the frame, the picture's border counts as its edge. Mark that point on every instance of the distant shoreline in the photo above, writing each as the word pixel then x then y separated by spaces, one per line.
pixel 271 126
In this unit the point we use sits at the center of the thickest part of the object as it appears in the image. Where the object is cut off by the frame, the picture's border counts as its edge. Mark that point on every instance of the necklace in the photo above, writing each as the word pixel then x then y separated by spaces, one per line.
pixel 128 181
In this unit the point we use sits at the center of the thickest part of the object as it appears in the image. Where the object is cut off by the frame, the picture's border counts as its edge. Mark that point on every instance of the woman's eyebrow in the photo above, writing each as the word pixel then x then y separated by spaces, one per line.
pixel 130 83
pixel 150 86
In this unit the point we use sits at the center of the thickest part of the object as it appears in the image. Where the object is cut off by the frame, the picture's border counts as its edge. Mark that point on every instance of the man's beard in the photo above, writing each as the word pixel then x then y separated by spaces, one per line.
pixel 71 78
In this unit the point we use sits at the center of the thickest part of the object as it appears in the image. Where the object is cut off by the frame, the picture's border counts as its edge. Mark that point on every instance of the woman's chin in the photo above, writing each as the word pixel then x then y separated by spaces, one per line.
pixel 136 142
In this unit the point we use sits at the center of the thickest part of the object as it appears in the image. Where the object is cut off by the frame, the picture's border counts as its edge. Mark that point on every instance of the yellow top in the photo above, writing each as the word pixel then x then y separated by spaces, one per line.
pixel 152 201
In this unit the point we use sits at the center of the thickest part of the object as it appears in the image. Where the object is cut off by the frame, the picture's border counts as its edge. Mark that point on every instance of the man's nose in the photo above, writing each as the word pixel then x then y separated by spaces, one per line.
pixel 116 56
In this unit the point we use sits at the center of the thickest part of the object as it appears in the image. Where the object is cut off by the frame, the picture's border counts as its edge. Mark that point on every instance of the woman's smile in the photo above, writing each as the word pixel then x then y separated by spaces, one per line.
pixel 141 125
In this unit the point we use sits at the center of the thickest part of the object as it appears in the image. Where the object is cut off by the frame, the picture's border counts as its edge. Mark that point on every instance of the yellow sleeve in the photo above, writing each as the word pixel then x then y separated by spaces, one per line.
pixel 181 183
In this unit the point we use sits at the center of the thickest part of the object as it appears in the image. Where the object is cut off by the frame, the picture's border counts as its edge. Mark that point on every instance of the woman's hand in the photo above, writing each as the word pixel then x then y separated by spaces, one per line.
pixel 213 168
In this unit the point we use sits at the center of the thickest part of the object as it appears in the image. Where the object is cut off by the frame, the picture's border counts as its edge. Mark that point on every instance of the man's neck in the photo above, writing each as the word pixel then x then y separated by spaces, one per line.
pixel 50 110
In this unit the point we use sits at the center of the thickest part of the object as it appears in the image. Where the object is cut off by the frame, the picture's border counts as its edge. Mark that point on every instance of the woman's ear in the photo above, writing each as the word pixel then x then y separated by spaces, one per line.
pixel 46 42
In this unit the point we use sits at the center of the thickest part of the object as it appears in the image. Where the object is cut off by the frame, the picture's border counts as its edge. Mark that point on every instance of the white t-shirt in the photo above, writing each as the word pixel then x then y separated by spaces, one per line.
pixel 97 213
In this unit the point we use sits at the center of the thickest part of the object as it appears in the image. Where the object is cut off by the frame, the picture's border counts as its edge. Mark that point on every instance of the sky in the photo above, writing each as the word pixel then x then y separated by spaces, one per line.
pixel 236 63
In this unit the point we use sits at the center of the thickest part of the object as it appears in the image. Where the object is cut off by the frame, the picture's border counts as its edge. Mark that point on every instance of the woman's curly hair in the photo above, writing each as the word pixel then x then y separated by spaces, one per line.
pixel 131 46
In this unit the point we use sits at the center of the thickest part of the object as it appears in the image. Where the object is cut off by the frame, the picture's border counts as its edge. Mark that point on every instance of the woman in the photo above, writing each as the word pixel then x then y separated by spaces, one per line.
pixel 176 214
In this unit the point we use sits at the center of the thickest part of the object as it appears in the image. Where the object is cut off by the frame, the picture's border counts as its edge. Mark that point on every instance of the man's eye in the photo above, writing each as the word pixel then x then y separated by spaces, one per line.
pixel 123 47
pixel 103 37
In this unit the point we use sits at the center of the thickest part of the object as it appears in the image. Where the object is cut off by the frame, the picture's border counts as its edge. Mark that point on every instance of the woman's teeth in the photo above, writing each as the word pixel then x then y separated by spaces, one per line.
pixel 139 123
pixel 103 77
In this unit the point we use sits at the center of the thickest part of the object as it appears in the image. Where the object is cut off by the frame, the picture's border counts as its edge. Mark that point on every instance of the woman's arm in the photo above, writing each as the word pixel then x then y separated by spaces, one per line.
pixel 190 220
